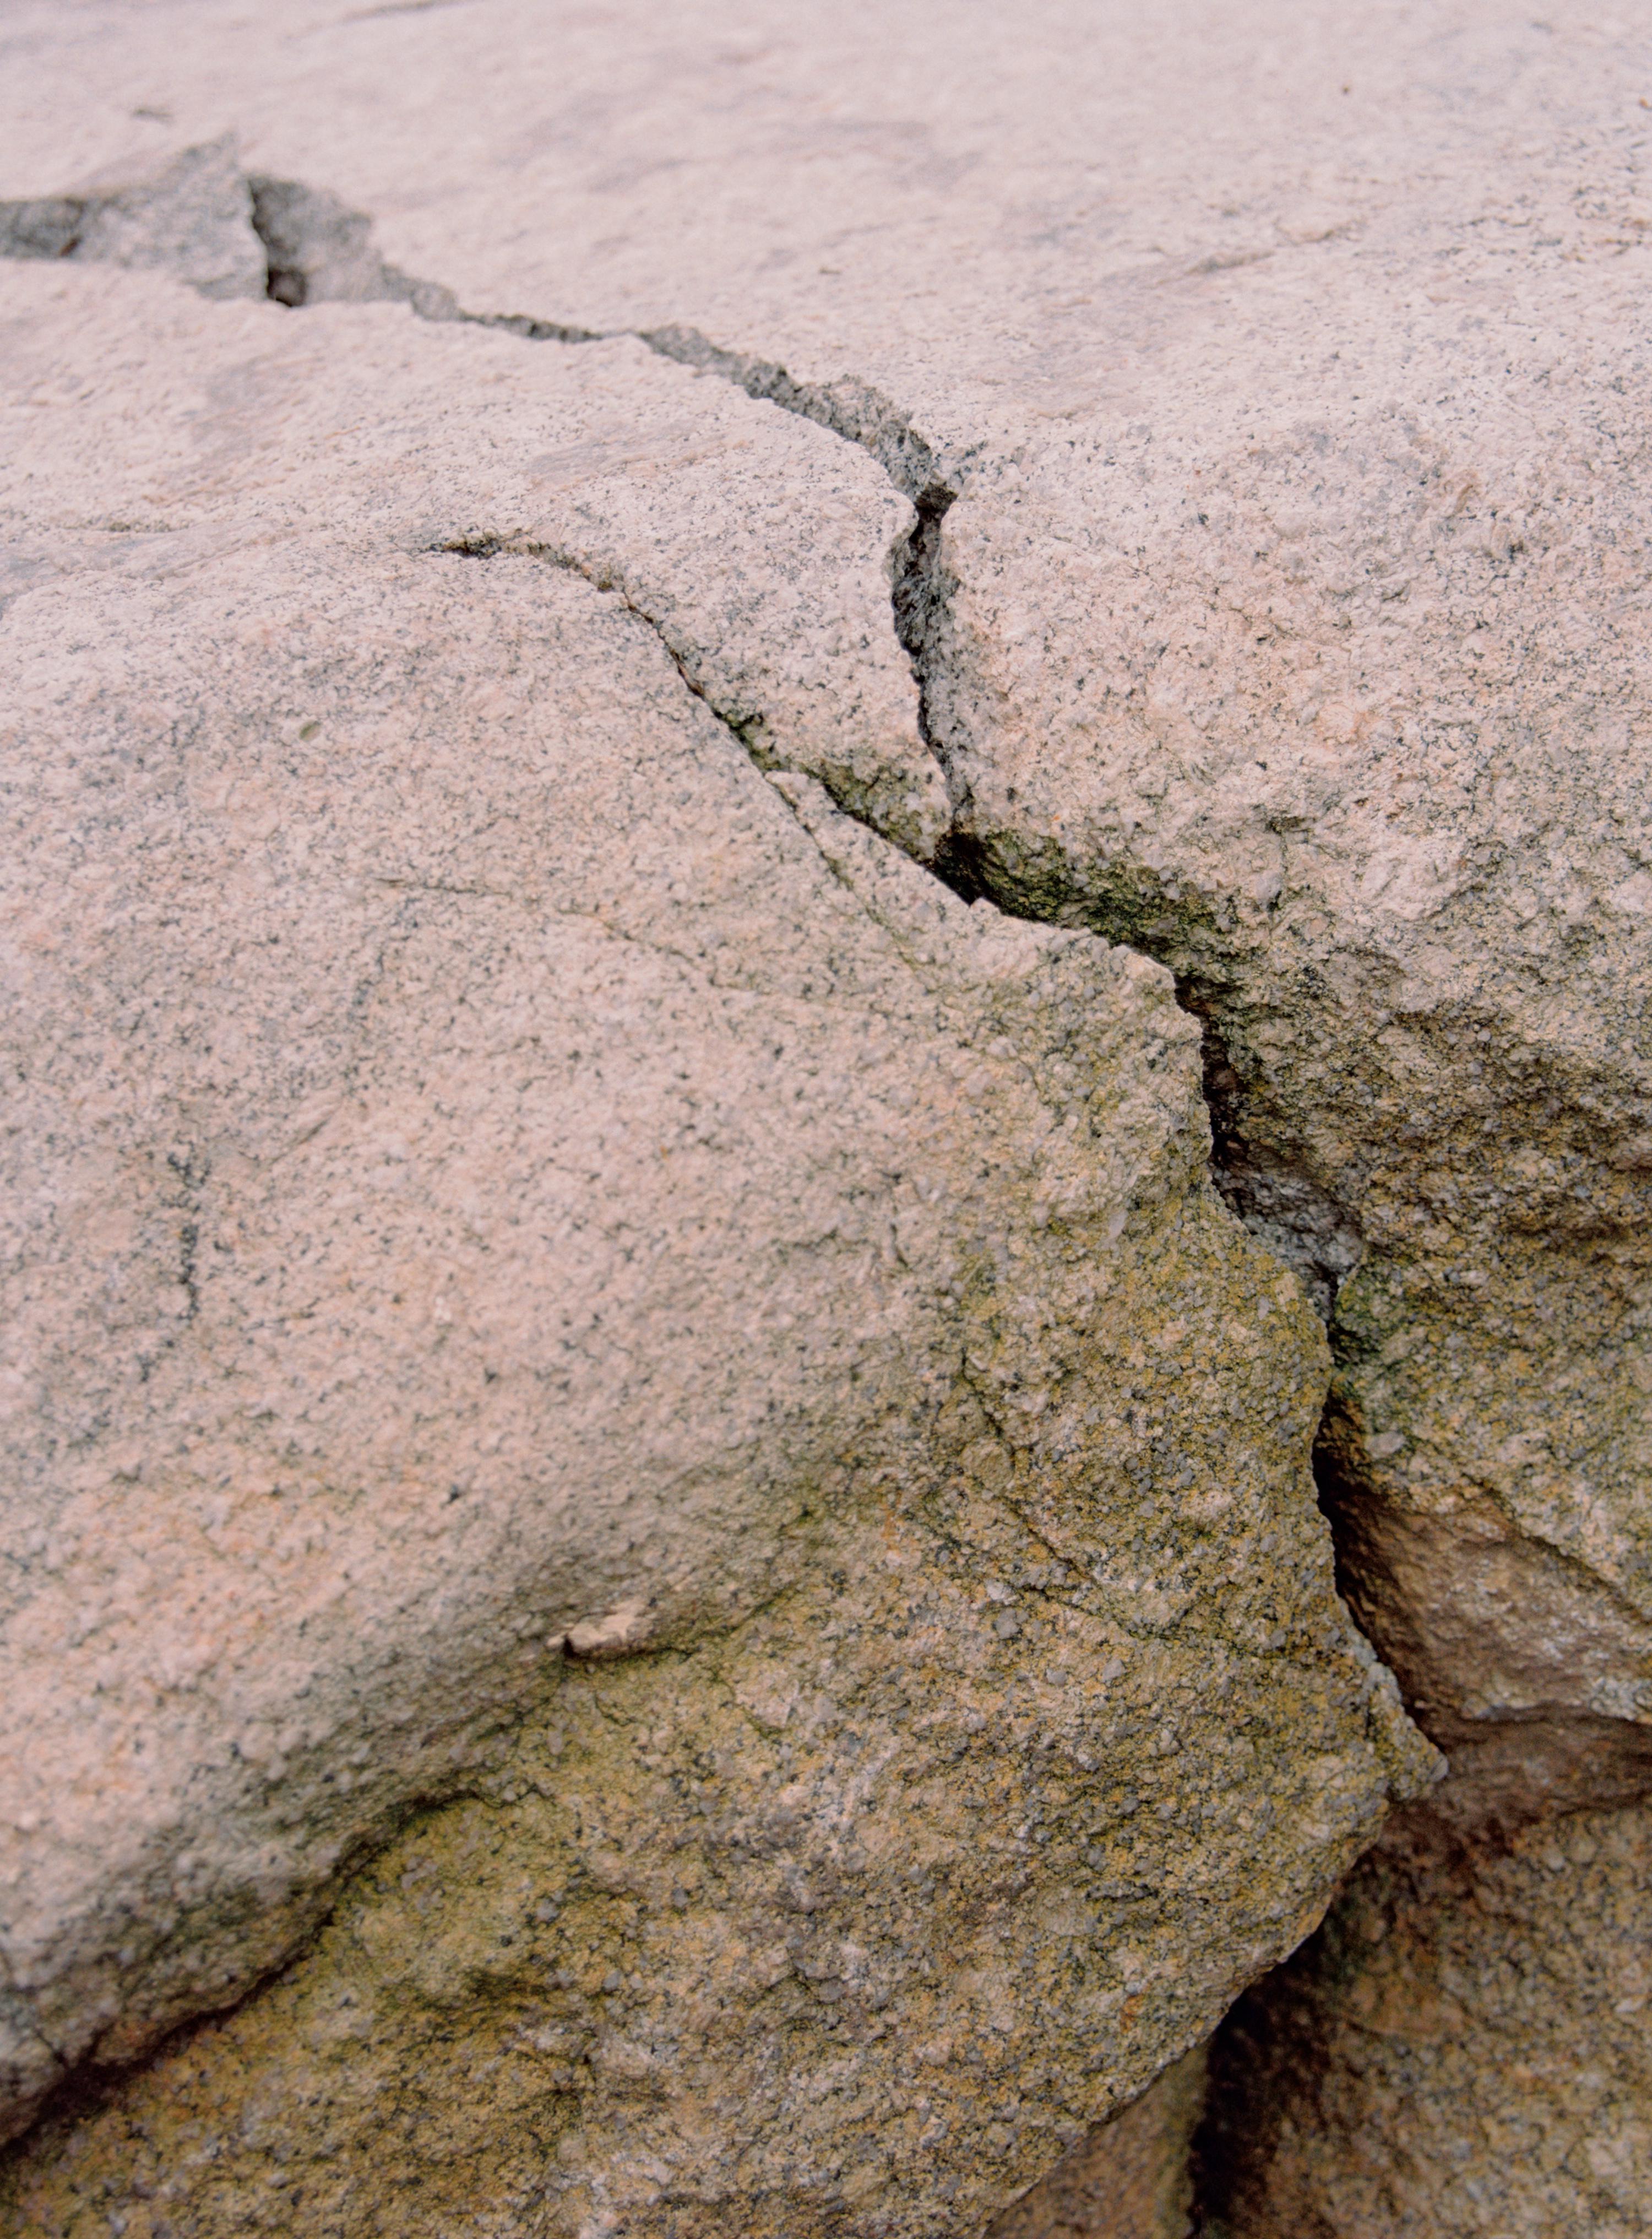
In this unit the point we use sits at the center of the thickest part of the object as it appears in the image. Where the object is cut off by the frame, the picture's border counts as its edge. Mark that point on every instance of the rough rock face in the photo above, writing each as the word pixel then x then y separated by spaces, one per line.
pixel 1133 2178
pixel 1243 410
pixel 567 1284
pixel 1276 597
pixel 1462 2050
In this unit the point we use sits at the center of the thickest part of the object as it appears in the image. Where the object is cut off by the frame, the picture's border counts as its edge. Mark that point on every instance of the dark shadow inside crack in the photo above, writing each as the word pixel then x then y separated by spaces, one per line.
pixel 1278 1199
pixel 920 594
pixel 316 249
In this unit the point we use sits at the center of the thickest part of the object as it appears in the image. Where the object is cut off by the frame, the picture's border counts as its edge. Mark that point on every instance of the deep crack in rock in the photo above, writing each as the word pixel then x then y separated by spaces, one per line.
pixel 1281 1204
pixel 316 249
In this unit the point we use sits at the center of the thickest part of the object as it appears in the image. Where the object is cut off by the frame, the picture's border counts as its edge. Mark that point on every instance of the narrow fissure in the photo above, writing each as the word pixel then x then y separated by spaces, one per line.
pixel 317 250
pixel 1281 1205
pixel 487 547
pixel 919 597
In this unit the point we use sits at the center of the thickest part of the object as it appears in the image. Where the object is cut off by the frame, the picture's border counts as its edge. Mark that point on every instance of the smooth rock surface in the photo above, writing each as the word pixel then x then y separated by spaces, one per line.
pixel 567 1287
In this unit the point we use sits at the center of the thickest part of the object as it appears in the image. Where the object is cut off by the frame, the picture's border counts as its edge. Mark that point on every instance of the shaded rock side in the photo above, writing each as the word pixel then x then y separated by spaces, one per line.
pixel 765 1940
pixel 1461 2049
pixel 635 1431
pixel 1130 2179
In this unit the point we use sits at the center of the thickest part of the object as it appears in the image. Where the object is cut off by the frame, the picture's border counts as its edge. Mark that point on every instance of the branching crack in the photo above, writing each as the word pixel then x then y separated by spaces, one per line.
pixel 744 731
pixel 316 249
pixel 744 727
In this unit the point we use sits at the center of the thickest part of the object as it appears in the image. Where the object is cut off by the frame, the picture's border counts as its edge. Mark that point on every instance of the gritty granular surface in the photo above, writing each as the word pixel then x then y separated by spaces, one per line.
pixel 1224 537
pixel 847 1922
pixel 1131 2178
pixel 667 1529
pixel 1463 2048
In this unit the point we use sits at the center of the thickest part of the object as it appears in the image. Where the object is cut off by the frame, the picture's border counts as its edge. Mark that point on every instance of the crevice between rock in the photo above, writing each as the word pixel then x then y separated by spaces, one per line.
pixel 1280 1203
pixel 316 249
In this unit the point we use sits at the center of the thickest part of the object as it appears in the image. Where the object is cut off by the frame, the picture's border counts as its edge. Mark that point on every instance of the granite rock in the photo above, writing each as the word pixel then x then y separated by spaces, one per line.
pixel 1462 2049
pixel 642 1450
pixel 1259 397
pixel 1276 597
pixel 1130 2178
pixel 190 214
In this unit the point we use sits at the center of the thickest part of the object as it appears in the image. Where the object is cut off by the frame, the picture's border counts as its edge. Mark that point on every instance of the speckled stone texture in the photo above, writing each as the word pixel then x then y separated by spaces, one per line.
pixel 566 1288
pixel 1461 2053
pixel 1279 603
pixel 1236 415
pixel 1133 2178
